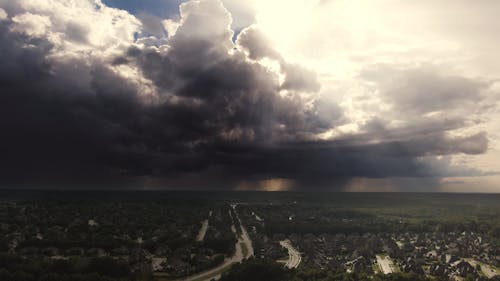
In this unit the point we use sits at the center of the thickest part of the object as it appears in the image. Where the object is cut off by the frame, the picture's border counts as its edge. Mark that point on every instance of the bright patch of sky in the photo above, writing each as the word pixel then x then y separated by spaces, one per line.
pixel 159 8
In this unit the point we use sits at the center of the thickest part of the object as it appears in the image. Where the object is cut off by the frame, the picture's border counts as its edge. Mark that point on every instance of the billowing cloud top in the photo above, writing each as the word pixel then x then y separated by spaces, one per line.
pixel 91 94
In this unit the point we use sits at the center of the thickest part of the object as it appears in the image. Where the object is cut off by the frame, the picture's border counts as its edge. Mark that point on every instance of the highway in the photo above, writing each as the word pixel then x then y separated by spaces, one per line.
pixel 215 273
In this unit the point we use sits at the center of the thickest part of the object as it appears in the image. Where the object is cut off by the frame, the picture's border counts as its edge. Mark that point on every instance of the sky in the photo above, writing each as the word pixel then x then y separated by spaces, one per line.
pixel 337 95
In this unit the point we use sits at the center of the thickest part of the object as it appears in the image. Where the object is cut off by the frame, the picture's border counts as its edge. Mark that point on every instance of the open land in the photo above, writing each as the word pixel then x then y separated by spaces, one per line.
pixel 196 236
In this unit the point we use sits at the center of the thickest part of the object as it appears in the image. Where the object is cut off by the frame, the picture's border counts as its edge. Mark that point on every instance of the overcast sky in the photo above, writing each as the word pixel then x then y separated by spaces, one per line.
pixel 343 95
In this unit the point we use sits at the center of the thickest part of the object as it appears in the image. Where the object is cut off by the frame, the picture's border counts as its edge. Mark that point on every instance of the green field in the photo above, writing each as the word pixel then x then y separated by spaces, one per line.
pixel 244 249
pixel 215 273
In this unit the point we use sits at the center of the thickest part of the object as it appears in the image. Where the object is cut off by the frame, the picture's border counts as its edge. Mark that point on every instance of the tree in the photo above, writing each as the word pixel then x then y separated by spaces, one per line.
pixel 256 269
pixel 108 267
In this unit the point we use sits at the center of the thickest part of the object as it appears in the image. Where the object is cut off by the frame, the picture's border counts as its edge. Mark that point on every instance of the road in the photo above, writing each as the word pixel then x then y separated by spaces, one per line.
pixel 259 219
pixel 294 257
pixel 244 234
pixel 215 273
pixel 203 231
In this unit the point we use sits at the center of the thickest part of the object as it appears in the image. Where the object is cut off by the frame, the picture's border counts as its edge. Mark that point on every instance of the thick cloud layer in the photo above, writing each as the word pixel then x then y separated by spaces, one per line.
pixel 91 94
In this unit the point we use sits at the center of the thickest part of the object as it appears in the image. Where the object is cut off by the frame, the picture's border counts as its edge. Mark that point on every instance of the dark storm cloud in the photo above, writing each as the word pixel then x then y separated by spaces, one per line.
pixel 214 111
pixel 426 137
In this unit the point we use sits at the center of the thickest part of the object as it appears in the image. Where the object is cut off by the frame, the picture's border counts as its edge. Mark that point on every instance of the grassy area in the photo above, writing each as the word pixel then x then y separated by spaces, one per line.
pixel 244 249
pixel 215 273
pixel 161 276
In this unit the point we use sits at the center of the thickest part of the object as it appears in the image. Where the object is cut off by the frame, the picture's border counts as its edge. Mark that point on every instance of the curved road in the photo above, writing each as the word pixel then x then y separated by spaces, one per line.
pixel 294 257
